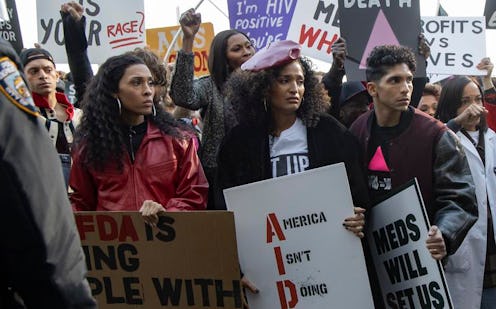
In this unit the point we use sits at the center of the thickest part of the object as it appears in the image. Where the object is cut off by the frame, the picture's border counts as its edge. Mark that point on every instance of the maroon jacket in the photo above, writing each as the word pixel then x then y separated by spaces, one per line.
pixel 426 149
pixel 166 170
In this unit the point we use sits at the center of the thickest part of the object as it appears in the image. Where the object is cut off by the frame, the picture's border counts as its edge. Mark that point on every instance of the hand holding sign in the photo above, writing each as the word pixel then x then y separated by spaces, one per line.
pixel 150 211
pixel 435 243
pixel 356 223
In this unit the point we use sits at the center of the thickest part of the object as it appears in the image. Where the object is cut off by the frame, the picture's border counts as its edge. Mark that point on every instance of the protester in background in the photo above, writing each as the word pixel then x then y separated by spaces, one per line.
pixel 430 97
pixel 399 143
pixel 354 100
pixel 229 49
pixel 471 271
pixel 61 118
pixel 489 91
pixel 131 154
pixel 41 261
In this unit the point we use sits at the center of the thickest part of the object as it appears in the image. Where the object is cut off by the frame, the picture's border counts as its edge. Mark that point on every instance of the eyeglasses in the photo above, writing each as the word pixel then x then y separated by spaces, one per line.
pixel 468 100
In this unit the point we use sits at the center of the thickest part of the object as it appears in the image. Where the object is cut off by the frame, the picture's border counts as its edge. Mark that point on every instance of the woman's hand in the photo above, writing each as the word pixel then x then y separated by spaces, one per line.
pixel 190 22
pixel 150 211
pixel 356 223
pixel 247 284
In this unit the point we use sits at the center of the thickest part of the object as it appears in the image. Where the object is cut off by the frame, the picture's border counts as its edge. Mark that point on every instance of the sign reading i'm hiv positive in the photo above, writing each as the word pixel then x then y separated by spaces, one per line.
pixel 396 232
pixel 292 243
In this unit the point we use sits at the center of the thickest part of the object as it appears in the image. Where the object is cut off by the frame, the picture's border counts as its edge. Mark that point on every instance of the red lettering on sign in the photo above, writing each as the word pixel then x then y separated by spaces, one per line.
pixel 285 304
pixel 273 226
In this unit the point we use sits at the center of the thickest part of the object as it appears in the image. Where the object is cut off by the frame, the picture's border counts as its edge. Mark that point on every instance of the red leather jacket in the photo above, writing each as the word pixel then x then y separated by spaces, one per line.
pixel 166 170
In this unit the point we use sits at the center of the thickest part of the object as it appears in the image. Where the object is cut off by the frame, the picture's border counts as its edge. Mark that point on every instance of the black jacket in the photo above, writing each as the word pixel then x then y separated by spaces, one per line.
pixel 244 156
pixel 41 258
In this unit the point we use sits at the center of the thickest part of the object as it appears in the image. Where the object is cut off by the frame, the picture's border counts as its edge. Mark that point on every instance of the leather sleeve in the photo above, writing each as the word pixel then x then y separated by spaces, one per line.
pixel 455 202
pixel 84 196
pixel 192 185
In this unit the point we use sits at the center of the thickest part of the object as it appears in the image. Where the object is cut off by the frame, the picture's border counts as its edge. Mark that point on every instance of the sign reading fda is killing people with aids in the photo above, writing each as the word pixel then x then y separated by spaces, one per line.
pixel 175 264
pixel 292 244
pixel 396 232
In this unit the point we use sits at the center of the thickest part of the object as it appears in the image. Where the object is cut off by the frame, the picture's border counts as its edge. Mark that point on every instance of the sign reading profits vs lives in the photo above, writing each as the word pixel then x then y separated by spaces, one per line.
pixel 315 26
pixel 112 27
pixel 174 265
pixel 396 232
pixel 448 37
pixel 292 243
pixel 159 40
pixel 264 21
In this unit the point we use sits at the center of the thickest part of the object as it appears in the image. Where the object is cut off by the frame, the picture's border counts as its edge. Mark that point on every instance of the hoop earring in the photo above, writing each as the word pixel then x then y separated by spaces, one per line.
pixel 265 104
pixel 119 105
pixel 154 110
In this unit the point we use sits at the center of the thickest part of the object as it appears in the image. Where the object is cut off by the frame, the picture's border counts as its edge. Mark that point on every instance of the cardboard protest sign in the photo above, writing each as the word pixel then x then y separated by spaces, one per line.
pixel 264 21
pixel 160 39
pixel 490 13
pixel 369 23
pixel 112 27
pixel 292 243
pixel 188 261
pixel 447 37
pixel 10 29
pixel 396 231
pixel 315 26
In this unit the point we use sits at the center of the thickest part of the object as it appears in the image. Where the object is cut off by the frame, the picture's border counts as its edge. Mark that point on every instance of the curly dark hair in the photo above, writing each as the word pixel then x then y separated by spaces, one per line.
pixel 247 91
pixel 384 57
pixel 101 127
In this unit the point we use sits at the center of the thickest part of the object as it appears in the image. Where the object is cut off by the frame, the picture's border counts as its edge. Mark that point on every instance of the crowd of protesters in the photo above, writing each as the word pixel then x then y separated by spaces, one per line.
pixel 122 146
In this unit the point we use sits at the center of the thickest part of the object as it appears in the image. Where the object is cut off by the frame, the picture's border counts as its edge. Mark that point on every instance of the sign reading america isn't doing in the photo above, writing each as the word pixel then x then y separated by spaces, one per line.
pixel 112 27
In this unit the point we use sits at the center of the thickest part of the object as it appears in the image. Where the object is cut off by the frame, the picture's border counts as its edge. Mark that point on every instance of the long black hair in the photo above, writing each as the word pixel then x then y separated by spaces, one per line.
pixel 248 92
pixel 100 131
pixel 217 60
pixel 451 99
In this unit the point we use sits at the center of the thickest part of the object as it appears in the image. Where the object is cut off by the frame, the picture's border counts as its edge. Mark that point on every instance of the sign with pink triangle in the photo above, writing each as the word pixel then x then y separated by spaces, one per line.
pixel 366 24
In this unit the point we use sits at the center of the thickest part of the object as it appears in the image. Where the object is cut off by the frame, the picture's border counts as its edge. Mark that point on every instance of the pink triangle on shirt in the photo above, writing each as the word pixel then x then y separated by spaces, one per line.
pixel 378 163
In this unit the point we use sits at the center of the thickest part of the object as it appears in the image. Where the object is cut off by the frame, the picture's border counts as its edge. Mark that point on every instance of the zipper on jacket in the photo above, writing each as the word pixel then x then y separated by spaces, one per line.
pixel 131 133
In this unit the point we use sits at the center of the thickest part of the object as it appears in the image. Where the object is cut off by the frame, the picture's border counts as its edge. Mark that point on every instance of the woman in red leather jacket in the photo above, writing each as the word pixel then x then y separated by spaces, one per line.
pixel 129 153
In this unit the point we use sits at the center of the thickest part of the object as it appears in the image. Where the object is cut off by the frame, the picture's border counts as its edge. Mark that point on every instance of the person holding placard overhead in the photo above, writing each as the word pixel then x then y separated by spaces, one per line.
pixel 229 49
pixel 471 271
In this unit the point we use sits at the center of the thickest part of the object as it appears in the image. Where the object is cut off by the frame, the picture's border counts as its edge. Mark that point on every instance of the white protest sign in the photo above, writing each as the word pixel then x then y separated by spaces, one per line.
pixel 396 232
pixel 315 26
pixel 292 244
pixel 457 44
pixel 112 27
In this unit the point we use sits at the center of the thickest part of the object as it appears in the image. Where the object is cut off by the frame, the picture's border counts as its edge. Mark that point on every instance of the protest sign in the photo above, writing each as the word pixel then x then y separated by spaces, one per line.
pixel 366 24
pixel 160 39
pixel 264 21
pixel 112 27
pixel 396 231
pixel 315 26
pixel 10 29
pixel 292 243
pixel 447 37
pixel 188 260
pixel 490 14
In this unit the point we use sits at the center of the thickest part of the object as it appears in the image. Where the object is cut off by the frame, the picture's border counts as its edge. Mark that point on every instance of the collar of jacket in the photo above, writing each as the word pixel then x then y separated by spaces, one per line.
pixel 42 102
